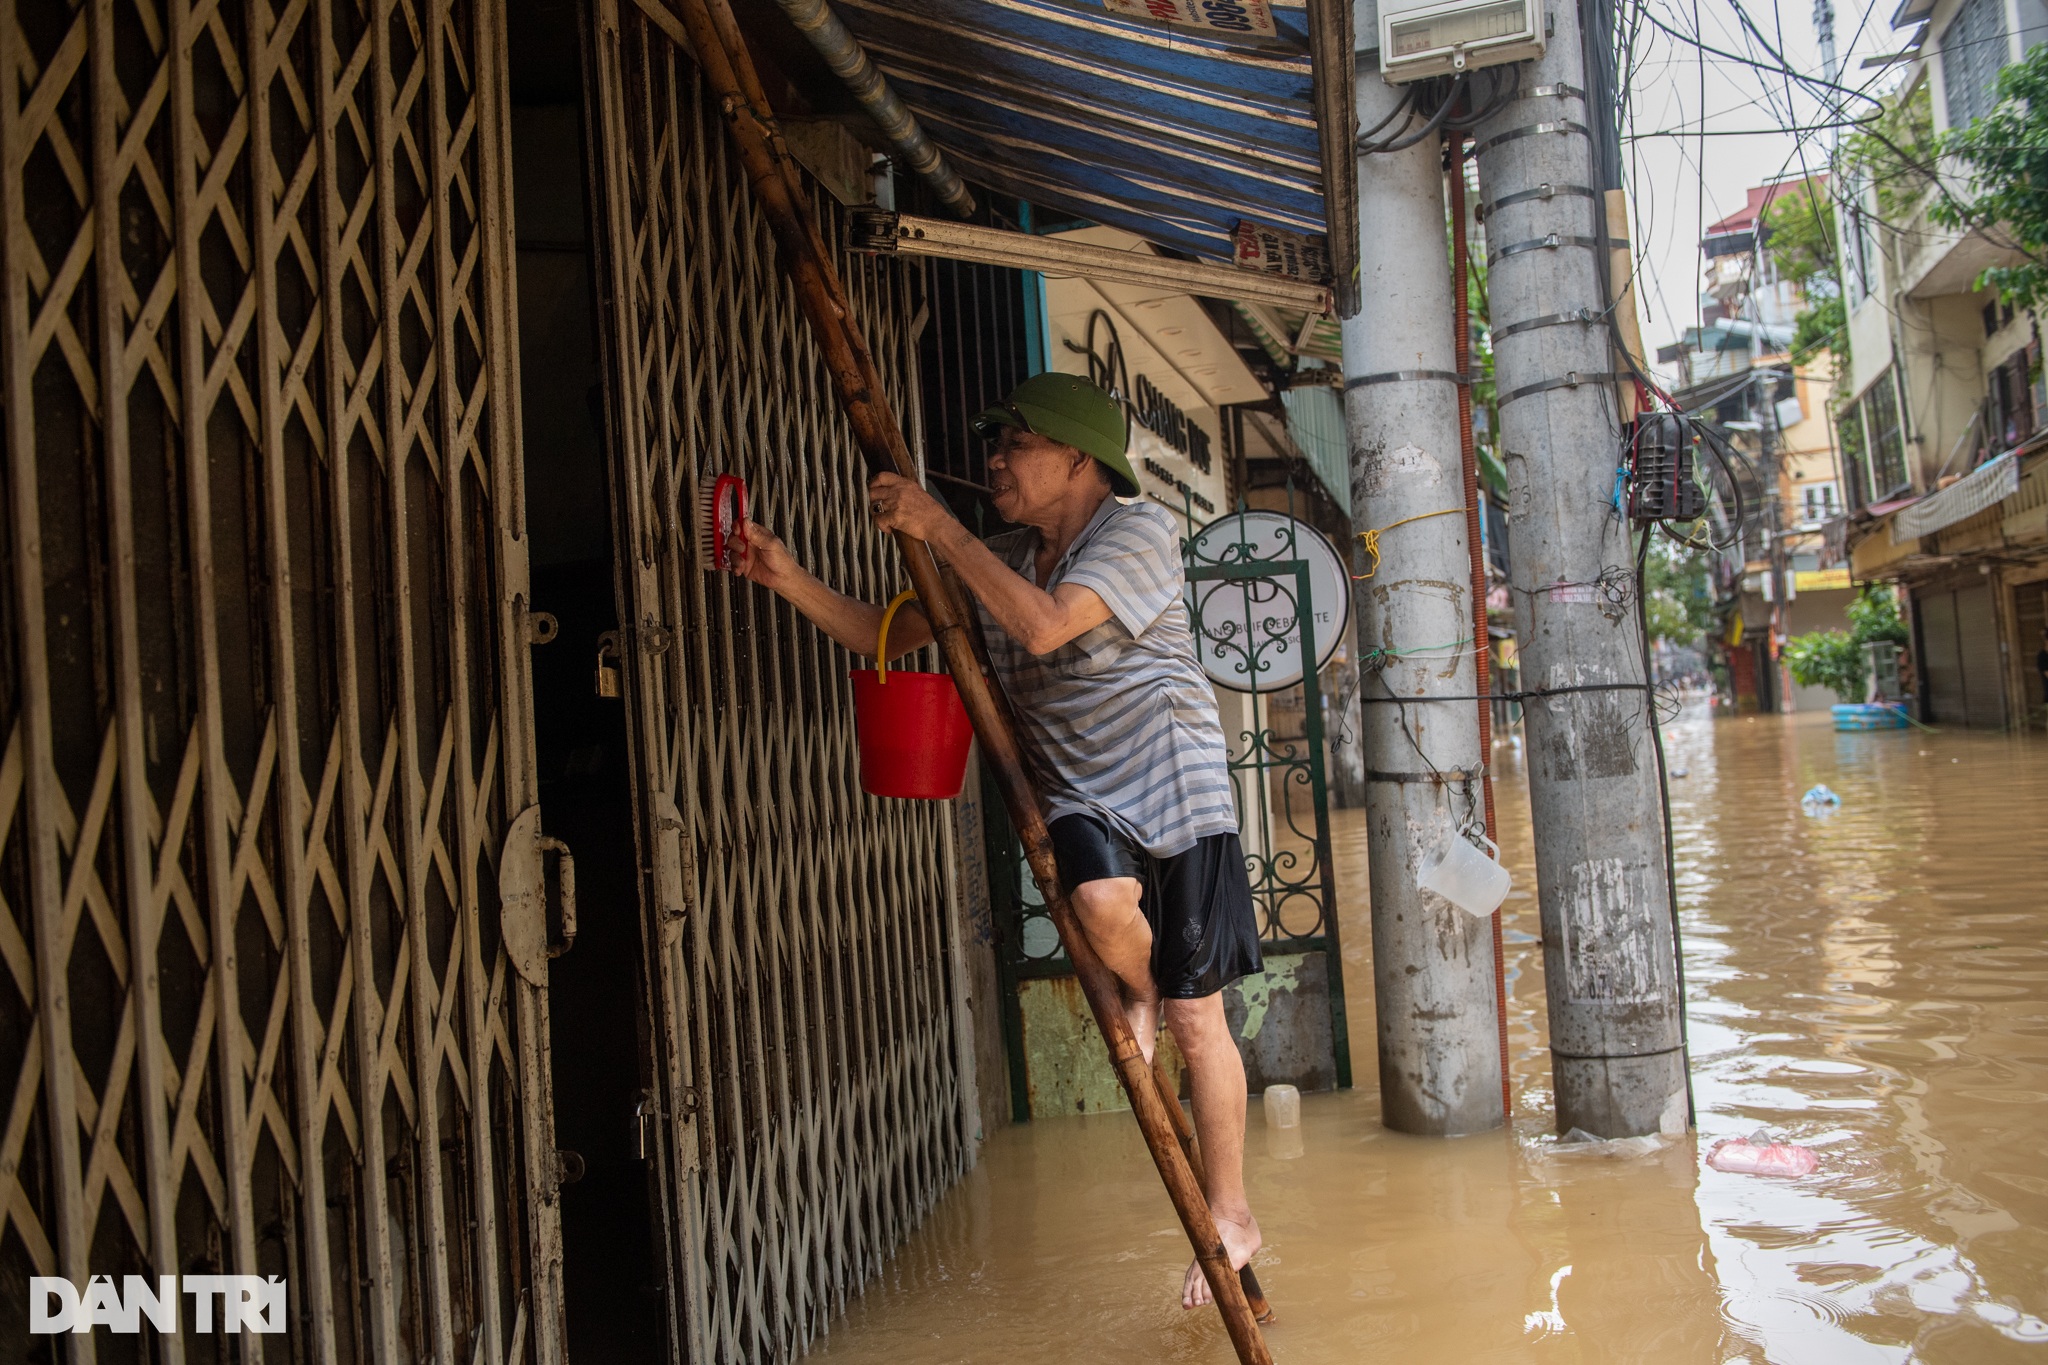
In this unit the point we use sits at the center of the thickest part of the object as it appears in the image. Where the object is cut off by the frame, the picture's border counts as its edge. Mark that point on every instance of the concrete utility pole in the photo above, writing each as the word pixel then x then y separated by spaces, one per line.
pixel 1433 968
pixel 1830 64
pixel 1615 1029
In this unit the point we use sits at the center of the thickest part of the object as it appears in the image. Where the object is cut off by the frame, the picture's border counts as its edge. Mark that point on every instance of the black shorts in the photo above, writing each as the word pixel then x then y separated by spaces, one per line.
pixel 1205 933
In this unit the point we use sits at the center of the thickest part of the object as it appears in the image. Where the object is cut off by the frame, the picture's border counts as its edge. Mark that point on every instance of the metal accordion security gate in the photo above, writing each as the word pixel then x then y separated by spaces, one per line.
pixel 809 1101
pixel 264 718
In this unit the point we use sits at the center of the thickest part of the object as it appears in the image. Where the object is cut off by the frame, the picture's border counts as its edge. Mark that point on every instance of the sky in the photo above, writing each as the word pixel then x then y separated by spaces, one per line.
pixel 1682 183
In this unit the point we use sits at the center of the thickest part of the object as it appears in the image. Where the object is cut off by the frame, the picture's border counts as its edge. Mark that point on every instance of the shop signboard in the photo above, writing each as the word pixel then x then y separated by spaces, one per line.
pixel 1229 16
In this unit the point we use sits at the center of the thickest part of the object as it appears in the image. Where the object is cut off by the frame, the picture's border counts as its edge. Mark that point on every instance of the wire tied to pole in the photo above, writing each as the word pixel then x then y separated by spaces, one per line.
pixel 1371 539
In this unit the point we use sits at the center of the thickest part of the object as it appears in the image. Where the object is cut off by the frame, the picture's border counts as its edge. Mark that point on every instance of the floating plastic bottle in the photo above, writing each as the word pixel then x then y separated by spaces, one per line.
pixel 1283 1122
pixel 1283 1106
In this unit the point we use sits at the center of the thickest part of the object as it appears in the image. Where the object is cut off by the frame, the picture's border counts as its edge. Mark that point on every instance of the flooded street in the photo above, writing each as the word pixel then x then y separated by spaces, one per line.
pixel 1871 983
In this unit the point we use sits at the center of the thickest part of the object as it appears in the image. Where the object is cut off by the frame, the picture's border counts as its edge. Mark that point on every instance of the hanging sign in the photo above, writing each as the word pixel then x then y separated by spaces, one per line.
pixel 1143 403
pixel 1230 16
pixel 1276 251
pixel 1248 629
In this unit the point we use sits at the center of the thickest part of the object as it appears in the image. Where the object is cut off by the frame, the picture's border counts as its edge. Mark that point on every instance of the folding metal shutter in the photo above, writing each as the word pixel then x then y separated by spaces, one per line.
pixel 264 711
pixel 811 1093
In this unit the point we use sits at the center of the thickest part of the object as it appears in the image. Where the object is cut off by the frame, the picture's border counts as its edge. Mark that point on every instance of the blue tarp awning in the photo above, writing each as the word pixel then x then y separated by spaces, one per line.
pixel 1169 132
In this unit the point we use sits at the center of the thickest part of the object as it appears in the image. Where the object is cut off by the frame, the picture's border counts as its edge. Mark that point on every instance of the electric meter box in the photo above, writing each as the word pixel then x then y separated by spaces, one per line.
pixel 1420 38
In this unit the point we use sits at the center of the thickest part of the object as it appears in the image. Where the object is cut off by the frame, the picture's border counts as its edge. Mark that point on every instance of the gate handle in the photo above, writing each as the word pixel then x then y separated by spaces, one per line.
pixel 567 873
pixel 882 644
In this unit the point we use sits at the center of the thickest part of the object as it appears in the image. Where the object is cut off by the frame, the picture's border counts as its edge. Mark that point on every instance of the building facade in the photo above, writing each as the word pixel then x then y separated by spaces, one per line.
pixel 1739 369
pixel 1946 476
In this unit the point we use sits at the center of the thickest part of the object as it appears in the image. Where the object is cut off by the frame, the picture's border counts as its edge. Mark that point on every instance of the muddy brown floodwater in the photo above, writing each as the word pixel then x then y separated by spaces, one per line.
pixel 1872 983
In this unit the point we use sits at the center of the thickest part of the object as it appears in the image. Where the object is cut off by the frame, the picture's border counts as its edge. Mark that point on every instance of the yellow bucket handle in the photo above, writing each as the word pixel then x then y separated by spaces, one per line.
pixel 882 644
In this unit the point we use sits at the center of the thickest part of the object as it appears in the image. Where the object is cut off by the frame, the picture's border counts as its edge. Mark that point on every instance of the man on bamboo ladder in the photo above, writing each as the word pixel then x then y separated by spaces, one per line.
pixel 1088 631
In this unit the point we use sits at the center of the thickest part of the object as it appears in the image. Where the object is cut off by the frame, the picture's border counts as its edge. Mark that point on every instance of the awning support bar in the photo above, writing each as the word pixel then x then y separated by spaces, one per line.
pixel 882 232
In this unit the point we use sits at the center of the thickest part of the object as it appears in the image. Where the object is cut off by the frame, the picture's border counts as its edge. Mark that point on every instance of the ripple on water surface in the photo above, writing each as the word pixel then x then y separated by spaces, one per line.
pixel 1868 983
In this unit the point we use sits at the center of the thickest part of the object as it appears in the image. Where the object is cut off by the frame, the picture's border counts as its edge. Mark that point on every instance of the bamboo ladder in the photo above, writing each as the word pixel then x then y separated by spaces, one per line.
pixel 721 52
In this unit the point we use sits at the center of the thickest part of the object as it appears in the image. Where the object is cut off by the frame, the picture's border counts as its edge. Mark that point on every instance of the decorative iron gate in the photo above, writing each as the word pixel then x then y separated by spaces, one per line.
pixel 265 709
pixel 809 1106
pixel 1279 781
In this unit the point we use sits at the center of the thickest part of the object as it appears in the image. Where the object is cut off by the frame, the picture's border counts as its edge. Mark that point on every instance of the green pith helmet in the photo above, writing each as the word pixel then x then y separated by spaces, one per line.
pixel 1068 409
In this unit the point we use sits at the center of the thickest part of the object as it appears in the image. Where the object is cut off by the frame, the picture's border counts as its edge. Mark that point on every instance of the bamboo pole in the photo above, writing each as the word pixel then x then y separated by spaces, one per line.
pixel 722 54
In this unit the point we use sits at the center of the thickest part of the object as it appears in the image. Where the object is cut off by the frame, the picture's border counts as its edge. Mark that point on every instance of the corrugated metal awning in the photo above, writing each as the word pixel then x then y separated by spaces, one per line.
pixel 1173 133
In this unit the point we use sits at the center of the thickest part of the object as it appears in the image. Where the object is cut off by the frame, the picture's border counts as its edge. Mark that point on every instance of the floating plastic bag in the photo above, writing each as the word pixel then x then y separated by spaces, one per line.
pixel 1580 1143
pixel 1761 1154
pixel 1818 799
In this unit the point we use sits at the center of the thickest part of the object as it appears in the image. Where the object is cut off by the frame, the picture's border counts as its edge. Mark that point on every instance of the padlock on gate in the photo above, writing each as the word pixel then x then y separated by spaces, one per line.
pixel 608 671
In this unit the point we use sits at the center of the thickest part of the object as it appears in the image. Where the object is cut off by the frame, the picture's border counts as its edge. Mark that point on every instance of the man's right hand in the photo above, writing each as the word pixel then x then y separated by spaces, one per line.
pixel 759 556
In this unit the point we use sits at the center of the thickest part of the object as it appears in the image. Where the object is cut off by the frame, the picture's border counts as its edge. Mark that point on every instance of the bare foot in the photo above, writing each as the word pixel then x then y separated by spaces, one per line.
pixel 1240 1239
pixel 1143 1017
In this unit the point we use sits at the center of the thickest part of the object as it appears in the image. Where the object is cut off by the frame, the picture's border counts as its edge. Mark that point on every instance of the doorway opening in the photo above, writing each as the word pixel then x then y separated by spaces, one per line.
pixel 611 1270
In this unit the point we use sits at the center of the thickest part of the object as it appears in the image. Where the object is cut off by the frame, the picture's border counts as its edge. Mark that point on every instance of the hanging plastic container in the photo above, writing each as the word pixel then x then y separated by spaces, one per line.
pixel 1466 877
pixel 913 730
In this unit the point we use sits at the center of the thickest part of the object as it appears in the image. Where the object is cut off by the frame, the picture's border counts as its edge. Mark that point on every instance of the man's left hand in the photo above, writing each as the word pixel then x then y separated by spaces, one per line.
pixel 899 504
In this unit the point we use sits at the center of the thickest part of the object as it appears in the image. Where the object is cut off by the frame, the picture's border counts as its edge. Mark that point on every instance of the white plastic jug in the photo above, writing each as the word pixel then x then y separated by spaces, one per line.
pixel 1465 877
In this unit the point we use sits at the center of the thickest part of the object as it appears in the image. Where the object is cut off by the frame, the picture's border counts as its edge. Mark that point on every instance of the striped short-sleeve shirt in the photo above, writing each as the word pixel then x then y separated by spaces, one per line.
pixel 1122 723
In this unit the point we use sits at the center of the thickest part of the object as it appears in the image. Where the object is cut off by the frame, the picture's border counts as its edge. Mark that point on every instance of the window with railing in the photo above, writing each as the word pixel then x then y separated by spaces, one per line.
pixel 1973 48
pixel 2010 414
pixel 1849 441
pixel 1817 502
pixel 1884 420
pixel 1871 434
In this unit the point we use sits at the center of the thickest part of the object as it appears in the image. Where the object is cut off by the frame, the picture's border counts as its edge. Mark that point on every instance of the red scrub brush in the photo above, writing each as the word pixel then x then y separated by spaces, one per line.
pixel 721 519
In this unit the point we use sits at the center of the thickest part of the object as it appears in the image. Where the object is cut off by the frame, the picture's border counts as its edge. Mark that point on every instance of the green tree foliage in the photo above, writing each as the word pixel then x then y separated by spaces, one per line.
pixel 1677 598
pixel 1834 659
pixel 1799 232
pixel 1820 328
pixel 2006 154
pixel 1800 235
pixel 1874 615
pixel 1830 659
pixel 1895 153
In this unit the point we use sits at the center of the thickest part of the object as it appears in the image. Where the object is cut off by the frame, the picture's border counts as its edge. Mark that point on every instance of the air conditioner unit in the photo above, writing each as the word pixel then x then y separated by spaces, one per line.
pixel 1421 38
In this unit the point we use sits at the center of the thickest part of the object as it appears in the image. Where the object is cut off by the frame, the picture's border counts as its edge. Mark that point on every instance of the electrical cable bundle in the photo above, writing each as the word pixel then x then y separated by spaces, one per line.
pixel 1664 487
pixel 1441 96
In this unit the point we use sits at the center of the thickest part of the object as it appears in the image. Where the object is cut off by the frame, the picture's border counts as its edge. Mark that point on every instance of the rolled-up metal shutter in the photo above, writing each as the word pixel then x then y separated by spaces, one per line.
pixel 1942 668
pixel 1977 648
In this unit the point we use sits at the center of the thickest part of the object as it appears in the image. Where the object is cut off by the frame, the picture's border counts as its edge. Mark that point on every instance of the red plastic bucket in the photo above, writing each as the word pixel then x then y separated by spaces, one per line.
pixel 913 730
pixel 913 734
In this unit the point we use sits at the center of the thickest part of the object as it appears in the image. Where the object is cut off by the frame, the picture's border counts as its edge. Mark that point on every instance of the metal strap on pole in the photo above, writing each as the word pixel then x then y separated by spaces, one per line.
pixel 1522 695
pixel 1440 776
pixel 1570 380
pixel 1401 376
pixel 1582 315
pixel 1545 191
pixel 1549 241
pixel 1563 125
